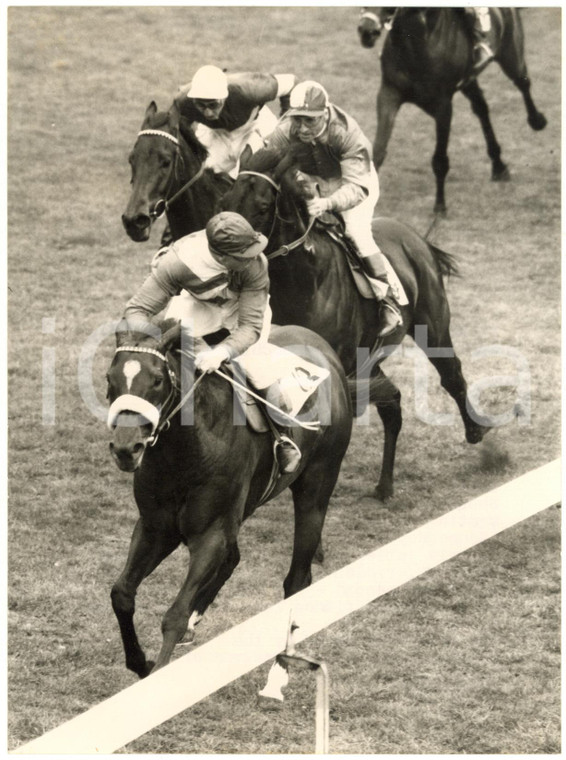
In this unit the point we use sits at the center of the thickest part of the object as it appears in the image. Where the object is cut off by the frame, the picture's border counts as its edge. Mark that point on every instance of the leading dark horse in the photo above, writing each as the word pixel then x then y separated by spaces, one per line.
pixel 313 286
pixel 427 56
pixel 196 481
pixel 168 175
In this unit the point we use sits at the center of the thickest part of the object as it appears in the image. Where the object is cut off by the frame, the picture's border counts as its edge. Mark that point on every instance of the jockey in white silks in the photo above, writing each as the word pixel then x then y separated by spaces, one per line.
pixel 223 275
pixel 228 111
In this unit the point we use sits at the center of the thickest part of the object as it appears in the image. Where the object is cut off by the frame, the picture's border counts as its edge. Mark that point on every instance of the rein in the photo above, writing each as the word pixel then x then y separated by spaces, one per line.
pixel 163 205
pixel 284 249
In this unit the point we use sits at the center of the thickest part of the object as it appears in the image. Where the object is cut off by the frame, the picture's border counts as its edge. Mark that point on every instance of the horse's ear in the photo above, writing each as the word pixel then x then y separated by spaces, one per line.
pixel 247 153
pixel 174 116
pixel 150 111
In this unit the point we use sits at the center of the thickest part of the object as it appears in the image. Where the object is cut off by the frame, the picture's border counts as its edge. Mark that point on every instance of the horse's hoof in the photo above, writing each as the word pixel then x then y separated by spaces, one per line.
pixel 503 175
pixel 538 122
pixel 476 434
pixel 148 667
pixel 382 493
pixel 269 704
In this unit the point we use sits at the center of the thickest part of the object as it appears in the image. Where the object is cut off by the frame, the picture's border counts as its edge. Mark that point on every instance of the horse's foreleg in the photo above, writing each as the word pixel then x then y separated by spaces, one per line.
pixel 147 550
pixel 207 554
pixel 440 161
pixel 388 104
pixel 499 170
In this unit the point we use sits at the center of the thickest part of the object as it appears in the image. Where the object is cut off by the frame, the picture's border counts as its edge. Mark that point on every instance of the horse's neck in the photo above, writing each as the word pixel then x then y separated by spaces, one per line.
pixel 194 207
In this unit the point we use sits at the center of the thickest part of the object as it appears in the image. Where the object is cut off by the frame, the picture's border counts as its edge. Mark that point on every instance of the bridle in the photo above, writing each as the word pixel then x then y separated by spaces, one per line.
pixel 165 415
pixel 284 249
pixel 163 204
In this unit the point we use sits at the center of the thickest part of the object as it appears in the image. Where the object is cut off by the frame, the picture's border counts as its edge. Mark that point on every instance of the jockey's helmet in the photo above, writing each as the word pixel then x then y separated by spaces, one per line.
pixel 209 83
pixel 308 99
pixel 229 234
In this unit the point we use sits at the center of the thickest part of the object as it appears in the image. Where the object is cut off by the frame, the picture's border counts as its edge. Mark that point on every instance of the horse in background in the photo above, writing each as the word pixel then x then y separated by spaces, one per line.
pixel 169 176
pixel 312 285
pixel 196 483
pixel 426 58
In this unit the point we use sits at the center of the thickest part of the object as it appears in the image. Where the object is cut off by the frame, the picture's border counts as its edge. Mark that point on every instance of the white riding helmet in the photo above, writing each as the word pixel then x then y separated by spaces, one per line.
pixel 209 83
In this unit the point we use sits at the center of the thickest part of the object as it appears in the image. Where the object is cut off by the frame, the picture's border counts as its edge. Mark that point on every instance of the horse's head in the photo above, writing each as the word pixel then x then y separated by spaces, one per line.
pixel 371 23
pixel 141 389
pixel 167 158
pixel 256 192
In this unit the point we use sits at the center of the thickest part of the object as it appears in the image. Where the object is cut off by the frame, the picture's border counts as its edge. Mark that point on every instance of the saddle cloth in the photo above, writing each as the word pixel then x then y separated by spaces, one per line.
pixel 289 378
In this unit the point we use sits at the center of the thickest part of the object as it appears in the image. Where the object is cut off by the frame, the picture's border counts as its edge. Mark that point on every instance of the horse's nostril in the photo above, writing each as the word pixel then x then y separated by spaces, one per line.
pixel 138 448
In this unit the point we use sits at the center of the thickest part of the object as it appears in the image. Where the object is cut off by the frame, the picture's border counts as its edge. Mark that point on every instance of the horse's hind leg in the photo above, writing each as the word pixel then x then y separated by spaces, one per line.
pixel 208 592
pixel 437 345
pixel 499 170
pixel 387 399
pixel 512 62
pixel 147 551
pixel 311 494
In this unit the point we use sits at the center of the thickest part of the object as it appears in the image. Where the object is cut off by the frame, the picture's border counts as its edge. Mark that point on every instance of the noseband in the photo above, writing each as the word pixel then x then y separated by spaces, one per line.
pixel 163 204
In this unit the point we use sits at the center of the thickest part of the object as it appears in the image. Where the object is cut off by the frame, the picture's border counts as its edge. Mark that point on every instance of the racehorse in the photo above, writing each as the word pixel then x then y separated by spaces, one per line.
pixel 427 56
pixel 313 286
pixel 196 483
pixel 169 175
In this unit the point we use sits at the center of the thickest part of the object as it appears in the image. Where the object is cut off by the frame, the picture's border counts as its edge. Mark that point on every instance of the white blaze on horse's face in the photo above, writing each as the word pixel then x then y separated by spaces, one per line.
pixel 131 369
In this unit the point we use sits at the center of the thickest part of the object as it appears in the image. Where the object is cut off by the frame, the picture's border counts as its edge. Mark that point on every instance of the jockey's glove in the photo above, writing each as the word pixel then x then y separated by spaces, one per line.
pixel 317 206
pixel 210 360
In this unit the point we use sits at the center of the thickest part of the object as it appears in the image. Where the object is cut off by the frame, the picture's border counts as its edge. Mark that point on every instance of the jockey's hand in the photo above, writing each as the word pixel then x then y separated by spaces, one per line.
pixel 208 361
pixel 317 206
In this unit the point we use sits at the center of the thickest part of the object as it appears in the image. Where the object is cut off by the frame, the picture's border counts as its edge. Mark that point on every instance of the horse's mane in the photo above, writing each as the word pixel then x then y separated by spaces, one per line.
pixel 172 118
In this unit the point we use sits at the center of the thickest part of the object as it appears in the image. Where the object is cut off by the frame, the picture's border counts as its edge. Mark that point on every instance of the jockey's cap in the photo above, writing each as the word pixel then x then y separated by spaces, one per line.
pixel 308 99
pixel 209 83
pixel 229 234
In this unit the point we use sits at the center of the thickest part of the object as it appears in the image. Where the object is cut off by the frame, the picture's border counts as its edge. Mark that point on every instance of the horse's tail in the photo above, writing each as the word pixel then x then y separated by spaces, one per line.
pixel 445 262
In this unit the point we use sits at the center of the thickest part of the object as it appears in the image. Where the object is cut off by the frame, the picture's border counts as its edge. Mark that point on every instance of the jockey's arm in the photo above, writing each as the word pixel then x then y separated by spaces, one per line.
pixel 259 89
pixel 252 303
pixel 355 168
pixel 158 288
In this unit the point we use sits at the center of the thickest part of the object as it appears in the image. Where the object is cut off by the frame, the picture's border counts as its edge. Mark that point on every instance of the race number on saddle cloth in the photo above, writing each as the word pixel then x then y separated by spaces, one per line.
pixel 228 111
pixel 289 378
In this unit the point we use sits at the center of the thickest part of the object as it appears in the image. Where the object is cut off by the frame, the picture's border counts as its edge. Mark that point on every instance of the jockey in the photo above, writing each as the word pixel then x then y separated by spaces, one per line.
pixel 339 155
pixel 230 111
pixel 223 275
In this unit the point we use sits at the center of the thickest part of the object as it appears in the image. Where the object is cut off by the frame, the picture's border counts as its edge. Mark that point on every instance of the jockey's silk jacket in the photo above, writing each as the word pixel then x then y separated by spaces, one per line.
pixel 189 265
pixel 340 156
pixel 246 92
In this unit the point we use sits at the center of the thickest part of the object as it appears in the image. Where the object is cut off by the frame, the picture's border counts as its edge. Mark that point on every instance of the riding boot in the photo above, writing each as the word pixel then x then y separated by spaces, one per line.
pixel 389 314
pixel 288 454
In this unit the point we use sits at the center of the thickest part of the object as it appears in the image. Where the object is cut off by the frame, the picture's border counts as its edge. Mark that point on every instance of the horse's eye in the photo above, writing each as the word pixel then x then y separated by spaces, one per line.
pixel 165 163
pixel 158 382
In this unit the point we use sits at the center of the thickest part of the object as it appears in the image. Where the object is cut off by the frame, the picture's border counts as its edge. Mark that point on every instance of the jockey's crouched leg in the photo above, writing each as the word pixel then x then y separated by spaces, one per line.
pixel 390 316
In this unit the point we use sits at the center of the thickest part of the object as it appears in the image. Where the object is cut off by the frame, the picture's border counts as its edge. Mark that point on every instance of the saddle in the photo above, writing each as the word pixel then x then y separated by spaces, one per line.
pixel 333 225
